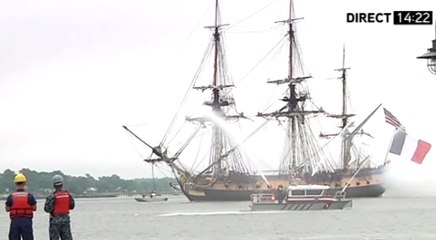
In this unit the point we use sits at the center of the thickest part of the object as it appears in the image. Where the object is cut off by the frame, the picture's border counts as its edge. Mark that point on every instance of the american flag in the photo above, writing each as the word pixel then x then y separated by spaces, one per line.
pixel 391 119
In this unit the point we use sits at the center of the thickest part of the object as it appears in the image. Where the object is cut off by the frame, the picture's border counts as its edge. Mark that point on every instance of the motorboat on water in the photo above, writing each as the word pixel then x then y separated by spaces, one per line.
pixel 300 198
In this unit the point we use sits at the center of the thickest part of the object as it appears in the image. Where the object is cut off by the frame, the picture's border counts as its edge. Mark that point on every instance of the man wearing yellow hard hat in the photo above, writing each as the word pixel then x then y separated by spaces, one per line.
pixel 21 205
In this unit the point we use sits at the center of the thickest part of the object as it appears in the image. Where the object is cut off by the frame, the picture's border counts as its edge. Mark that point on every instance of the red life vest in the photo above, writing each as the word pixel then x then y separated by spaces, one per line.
pixel 20 205
pixel 61 204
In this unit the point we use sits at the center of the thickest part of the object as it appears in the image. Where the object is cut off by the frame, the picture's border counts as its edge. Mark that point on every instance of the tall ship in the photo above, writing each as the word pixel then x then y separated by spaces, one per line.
pixel 220 171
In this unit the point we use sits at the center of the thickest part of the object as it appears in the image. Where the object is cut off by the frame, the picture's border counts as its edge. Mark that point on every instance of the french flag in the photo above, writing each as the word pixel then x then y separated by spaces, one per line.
pixel 408 147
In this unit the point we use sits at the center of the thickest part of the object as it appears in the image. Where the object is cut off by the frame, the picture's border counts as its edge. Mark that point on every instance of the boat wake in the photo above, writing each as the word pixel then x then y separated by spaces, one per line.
pixel 217 213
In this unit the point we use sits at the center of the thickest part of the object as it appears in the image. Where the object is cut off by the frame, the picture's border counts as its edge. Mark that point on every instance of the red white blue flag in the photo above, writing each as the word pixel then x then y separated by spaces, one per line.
pixel 391 119
pixel 409 148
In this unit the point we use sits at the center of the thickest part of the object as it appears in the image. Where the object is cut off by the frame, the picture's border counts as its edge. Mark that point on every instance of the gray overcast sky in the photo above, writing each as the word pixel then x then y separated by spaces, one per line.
pixel 73 72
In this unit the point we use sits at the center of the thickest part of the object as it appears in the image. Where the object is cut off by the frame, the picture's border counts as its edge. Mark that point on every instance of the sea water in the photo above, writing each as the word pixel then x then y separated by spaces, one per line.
pixel 124 218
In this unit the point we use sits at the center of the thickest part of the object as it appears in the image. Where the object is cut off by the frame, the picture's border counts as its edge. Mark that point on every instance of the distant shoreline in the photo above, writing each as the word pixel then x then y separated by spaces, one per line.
pixel 94 195
pixel 102 195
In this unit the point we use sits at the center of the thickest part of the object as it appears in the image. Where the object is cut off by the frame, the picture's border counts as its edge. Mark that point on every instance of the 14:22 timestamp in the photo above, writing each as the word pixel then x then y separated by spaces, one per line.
pixel 413 17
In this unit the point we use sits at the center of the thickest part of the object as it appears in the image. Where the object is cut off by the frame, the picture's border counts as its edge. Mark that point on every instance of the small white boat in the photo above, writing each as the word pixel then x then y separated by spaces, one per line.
pixel 300 198
pixel 152 197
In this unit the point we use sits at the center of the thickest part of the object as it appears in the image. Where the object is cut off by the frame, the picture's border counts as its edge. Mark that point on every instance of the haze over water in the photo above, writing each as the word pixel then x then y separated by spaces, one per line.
pixel 388 217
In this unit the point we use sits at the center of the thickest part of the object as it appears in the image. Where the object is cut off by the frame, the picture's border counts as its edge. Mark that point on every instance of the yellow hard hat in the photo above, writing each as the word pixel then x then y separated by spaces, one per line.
pixel 20 178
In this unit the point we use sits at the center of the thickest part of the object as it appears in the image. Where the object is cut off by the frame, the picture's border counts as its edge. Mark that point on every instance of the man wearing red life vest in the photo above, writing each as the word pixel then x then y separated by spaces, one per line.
pixel 21 205
pixel 59 204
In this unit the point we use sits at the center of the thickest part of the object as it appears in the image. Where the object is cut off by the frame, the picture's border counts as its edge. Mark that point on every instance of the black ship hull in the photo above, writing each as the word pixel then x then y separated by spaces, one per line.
pixel 367 183
pixel 375 190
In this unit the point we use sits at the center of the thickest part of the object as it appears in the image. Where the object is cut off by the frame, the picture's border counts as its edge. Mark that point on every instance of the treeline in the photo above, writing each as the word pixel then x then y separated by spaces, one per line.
pixel 40 183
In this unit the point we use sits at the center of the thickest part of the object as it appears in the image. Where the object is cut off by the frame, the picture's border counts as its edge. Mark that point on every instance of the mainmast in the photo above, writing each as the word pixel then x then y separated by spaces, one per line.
pixel 294 108
pixel 291 39
pixel 292 104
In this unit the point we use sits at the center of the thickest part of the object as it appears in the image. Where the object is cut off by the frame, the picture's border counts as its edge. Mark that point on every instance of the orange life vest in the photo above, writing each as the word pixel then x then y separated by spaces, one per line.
pixel 61 204
pixel 20 205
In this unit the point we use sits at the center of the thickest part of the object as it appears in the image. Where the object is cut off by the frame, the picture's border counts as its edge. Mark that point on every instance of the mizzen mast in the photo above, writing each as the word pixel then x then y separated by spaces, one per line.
pixel 347 136
pixel 343 77
pixel 346 145
pixel 344 116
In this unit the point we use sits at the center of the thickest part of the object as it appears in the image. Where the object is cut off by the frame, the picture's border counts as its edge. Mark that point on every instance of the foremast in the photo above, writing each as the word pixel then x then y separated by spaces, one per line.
pixel 221 103
pixel 297 140
pixel 224 155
